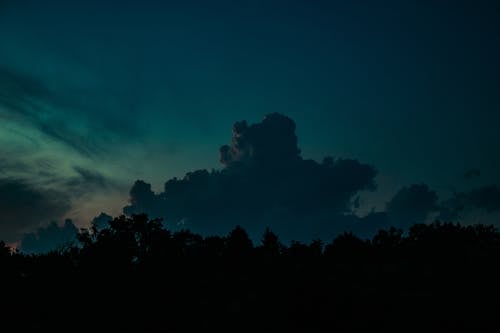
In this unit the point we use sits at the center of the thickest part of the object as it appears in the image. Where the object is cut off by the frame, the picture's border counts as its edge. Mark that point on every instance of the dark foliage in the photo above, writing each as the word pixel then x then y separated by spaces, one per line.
pixel 134 275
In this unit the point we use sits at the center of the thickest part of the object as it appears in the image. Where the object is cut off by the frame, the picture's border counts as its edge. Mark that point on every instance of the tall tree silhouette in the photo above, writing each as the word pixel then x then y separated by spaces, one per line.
pixel 238 243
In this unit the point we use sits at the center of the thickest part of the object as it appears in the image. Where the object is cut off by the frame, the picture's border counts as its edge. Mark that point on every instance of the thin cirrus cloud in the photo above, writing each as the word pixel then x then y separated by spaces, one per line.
pixel 27 102
pixel 48 154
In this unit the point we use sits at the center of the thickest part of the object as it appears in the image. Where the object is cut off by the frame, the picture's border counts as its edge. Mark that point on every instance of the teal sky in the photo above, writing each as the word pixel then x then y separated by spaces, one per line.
pixel 110 93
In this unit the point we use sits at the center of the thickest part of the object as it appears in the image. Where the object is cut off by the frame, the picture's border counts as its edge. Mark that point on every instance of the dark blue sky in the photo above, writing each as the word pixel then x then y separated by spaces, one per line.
pixel 95 94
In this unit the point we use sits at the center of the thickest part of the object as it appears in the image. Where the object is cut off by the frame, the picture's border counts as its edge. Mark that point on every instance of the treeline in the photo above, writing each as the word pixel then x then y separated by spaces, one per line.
pixel 136 275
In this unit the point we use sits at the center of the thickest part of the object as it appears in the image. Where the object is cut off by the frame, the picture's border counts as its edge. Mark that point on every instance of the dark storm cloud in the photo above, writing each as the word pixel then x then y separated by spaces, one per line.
pixel 264 181
pixel 412 204
pixel 23 206
pixel 416 203
pixel 50 237
pixel 271 140
pixel 486 198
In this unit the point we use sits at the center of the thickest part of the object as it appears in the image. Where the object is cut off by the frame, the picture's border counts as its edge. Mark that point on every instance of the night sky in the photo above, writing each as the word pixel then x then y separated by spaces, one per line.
pixel 95 95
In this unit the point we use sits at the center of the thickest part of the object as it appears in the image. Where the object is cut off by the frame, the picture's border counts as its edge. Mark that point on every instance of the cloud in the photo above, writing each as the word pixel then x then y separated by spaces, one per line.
pixel 28 101
pixel 101 221
pixel 412 204
pixel 50 237
pixel 271 140
pixel 23 206
pixel 486 198
pixel 143 199
pixel 7 165
pixel 19 89
pixel 91 176
pixel 419 204
pixel 87 180
pixel 264 182
pixel 49 143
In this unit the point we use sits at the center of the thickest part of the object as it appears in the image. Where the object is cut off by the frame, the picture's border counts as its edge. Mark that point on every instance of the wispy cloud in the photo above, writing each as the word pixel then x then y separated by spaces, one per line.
pixel 26 100
pixel 49 147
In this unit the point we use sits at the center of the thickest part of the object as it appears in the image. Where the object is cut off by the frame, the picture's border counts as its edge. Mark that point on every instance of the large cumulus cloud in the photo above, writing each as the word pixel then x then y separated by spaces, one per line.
pixel 271 141
pixel 264 182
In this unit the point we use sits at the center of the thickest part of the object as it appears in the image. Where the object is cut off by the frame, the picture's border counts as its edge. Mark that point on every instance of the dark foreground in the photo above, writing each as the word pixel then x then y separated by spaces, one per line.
pixel 137 276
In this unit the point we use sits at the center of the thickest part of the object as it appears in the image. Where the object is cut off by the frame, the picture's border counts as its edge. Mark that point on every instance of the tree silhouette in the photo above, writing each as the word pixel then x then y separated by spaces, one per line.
pixel 4 249
pixel 137 275
pixel 271 246
pixel 238 243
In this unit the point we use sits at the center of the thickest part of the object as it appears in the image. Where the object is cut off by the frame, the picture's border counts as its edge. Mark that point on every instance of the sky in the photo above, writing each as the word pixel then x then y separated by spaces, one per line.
pixel 95 95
